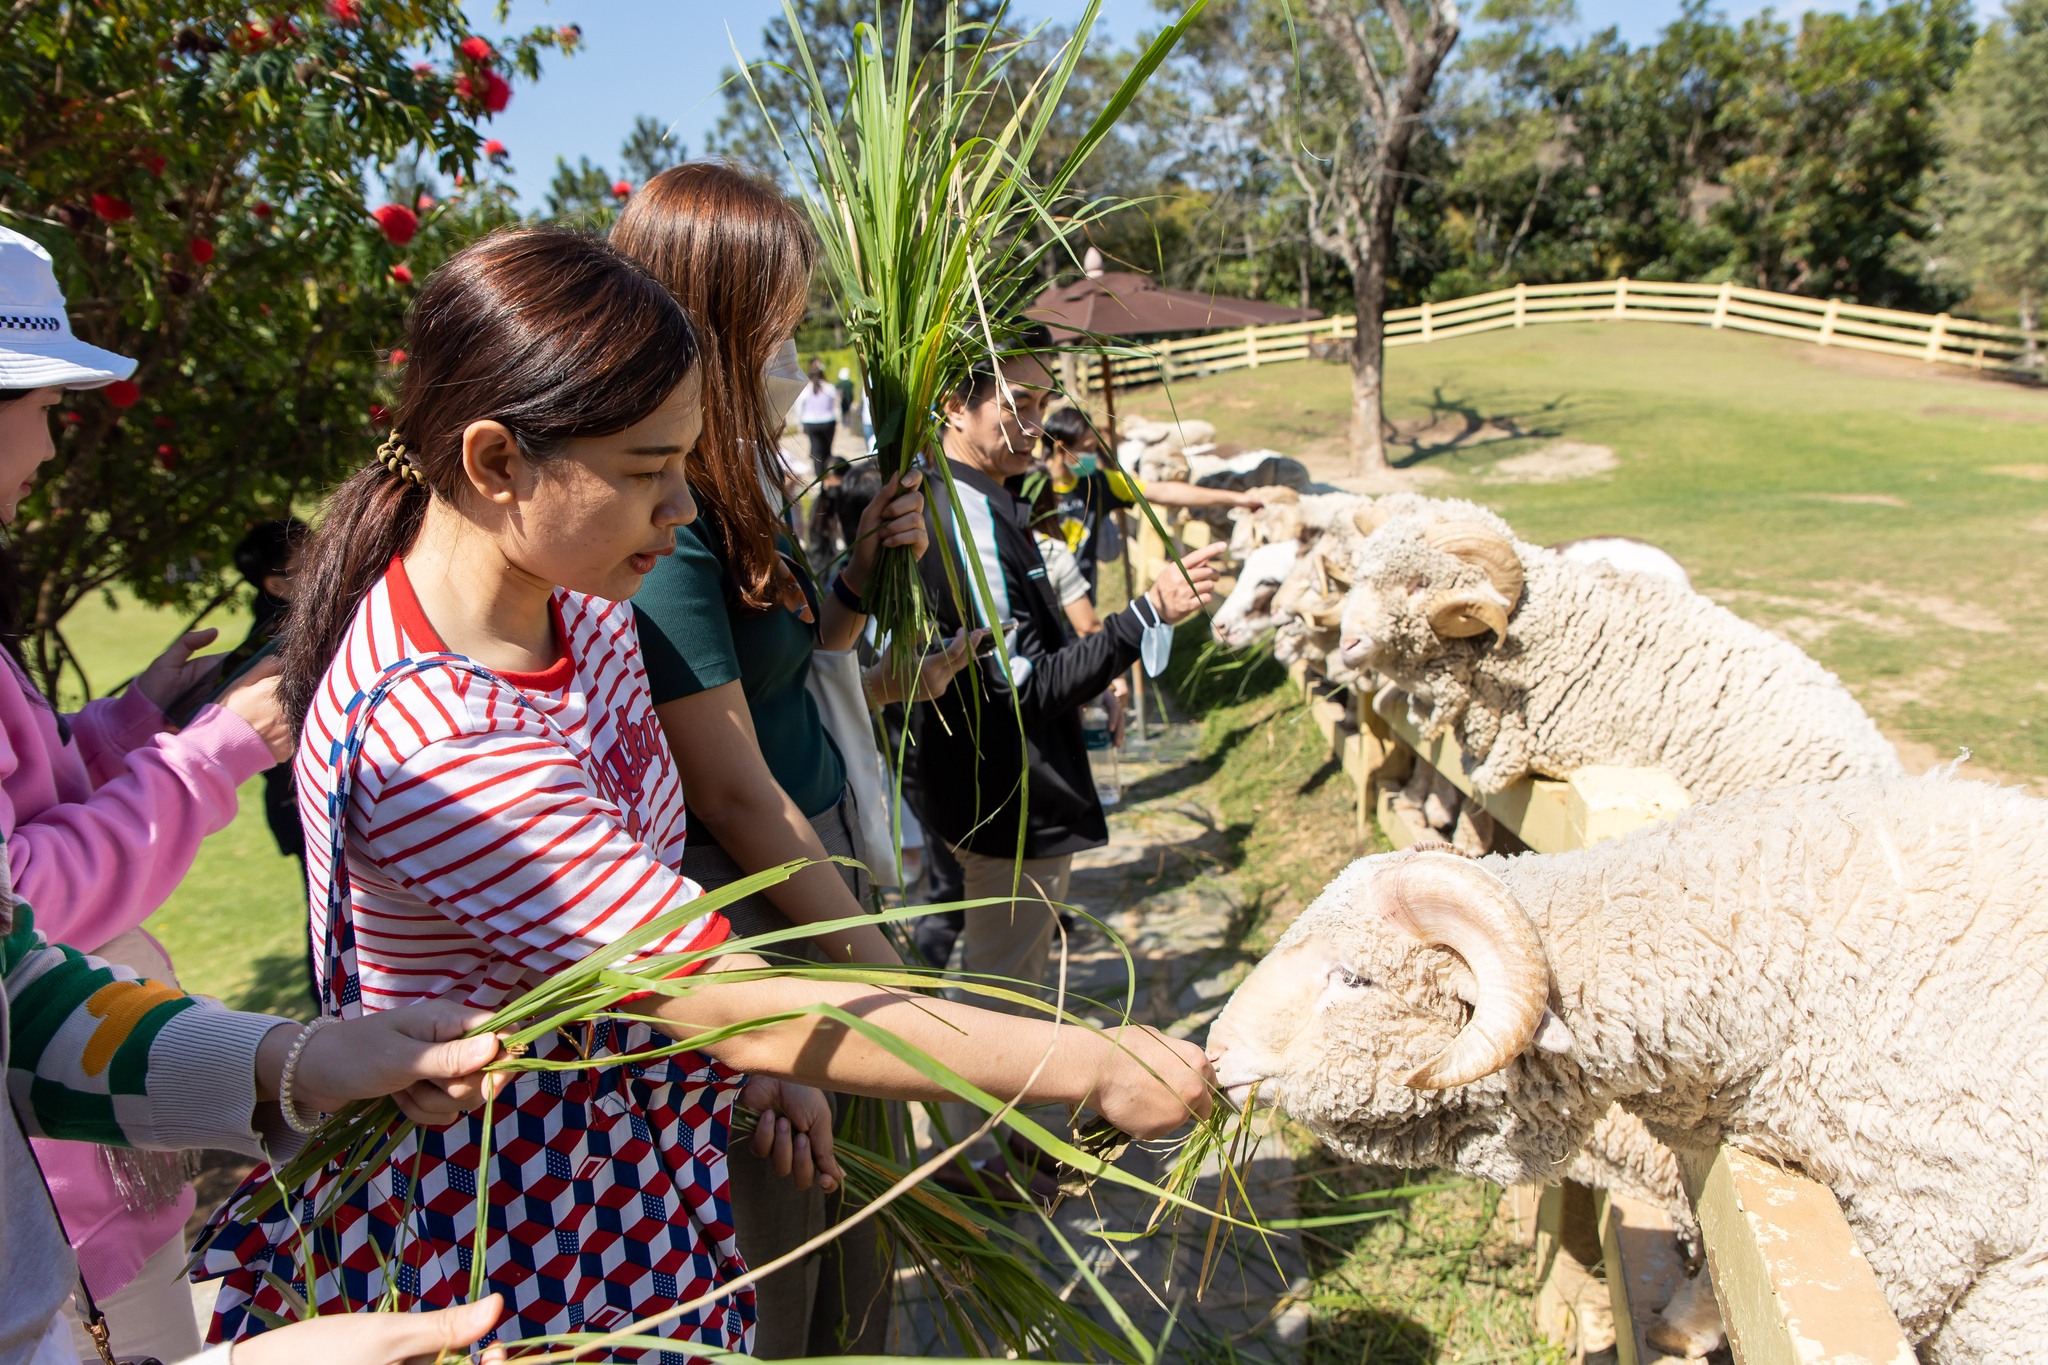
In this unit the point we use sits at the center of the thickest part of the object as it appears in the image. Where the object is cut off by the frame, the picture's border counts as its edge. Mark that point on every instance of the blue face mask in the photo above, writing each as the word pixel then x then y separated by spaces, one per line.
pixel 1084 465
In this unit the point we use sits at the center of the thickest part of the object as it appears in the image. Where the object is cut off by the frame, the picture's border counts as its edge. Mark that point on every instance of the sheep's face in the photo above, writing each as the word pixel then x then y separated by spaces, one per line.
pixel 1245 614
pixel 1395 574
pixel 1332 1025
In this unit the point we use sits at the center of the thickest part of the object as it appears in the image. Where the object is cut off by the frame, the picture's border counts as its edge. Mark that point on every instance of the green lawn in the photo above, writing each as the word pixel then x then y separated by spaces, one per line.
pixel 1892 521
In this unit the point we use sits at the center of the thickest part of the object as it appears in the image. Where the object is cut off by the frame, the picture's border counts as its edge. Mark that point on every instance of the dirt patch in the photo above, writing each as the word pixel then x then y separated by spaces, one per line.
pixel 1871 606
pixel 1438 432
pixel 1995 414
pixel 1555 463
pixel 1860 499
pixel 2033 473
pixel 2039 526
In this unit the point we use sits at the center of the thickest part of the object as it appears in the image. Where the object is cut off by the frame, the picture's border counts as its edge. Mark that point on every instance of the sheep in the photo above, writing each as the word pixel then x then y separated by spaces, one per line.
pixel 1537 664
pixel 1244 615
pixel 1627 554
pixel 1844 975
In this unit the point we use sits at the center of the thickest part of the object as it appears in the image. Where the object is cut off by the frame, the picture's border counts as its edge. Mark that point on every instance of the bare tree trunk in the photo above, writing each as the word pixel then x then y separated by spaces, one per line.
pixel 1368 368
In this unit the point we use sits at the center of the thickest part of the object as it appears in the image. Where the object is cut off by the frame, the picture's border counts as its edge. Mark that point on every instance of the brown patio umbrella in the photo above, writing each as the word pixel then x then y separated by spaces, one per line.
pixel 1125 303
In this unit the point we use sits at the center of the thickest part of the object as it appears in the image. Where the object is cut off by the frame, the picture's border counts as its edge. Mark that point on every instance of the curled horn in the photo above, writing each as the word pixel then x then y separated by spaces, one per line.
pixel 1452 902
pixel 1461 613
pixel 1368 517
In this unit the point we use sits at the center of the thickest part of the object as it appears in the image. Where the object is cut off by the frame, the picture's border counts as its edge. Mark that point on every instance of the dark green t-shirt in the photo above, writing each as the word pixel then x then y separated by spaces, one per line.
pixel 694 639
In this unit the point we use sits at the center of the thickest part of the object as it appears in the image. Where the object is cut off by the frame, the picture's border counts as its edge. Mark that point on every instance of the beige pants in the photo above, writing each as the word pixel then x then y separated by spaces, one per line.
pixel 150 1316
pixel 1013 939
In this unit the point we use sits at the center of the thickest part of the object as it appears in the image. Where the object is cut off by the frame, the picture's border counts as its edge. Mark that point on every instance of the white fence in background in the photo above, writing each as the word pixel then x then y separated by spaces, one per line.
pixel 1937 338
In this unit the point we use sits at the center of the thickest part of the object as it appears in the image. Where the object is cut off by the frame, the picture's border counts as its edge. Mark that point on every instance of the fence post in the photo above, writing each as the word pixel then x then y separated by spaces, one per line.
pixel 1827 322
pixel 1166 367
pixel 1521 302
pixel 1721 302
pixel 1937 337
pixel 1251 347
pixel 1425 319
pixel 1621 296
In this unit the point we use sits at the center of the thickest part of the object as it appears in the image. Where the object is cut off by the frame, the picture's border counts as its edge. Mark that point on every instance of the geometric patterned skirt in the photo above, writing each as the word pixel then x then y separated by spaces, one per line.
pixel 607 1202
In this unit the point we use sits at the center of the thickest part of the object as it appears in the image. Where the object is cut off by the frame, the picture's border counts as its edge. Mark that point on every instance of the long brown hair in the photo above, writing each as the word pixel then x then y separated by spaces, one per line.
pixel 552 333
pixel 738 256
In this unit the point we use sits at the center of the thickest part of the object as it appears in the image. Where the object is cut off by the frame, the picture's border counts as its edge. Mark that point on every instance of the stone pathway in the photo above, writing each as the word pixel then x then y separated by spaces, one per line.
pixel 1162 884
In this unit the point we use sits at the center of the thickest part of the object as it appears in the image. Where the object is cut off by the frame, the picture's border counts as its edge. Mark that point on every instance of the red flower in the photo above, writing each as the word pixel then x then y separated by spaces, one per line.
pixel 402 273
pixel 123 393
pixel 497 92
pixel 397 355
pixel 379 414
pixel 344 11
pixel 112 208
pixel 461 179
pixel 72 419
pixel 569 34
pixel 622 188
pixel 464 89
pixel 153 162
pixel 422 68
pixel 202 250
pixel 282 29
pixel 476 49
pixel 167 457
pixel 163 423
pixel 426 201
pixel 494 149
pixel 261 209
pixel 398 222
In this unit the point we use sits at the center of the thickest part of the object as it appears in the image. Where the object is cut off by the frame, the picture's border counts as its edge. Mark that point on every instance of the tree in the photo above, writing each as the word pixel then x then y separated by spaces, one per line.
pixel 589 194
pixel 198 173
pixel 1994 188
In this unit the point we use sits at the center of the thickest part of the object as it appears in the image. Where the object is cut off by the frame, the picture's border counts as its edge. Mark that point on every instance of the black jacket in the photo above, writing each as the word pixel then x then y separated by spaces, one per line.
pixel 971 756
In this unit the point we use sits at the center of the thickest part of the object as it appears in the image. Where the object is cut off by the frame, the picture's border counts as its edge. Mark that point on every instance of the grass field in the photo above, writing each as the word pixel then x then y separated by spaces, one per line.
pixel 1892 521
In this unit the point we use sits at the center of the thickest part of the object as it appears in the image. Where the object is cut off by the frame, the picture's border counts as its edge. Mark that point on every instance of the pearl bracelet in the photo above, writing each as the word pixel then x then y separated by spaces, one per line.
pixel 290 1073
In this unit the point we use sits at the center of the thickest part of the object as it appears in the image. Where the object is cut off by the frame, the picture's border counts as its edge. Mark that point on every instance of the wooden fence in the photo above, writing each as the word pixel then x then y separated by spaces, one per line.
pixel 1794 1288
pixel 1934 338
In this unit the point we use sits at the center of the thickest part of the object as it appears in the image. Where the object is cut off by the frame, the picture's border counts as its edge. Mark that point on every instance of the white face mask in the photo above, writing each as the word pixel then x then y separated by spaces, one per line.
pixel 784 378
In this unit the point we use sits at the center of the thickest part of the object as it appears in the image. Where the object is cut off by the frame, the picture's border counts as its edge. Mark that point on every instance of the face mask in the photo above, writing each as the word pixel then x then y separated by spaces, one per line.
pixel 783 379
pixel 1084 465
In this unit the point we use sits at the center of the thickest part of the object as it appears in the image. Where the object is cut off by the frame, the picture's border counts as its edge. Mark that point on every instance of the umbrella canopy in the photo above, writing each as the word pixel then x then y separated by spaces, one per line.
pixel 1128 304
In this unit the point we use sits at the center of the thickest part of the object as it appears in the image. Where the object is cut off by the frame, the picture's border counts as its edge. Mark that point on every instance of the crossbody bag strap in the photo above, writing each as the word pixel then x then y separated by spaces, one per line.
pixel 95 1320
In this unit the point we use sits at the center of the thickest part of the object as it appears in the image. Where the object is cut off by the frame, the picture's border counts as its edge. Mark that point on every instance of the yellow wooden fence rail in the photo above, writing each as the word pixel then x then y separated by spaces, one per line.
pixel 1933 338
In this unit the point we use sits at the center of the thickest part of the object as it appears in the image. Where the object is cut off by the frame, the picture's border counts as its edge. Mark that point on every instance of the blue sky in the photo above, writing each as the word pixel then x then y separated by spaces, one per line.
pixel 663 58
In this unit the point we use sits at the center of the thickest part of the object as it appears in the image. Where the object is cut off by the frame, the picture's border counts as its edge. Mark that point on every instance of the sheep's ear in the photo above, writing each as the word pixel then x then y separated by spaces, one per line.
pixel 1552 1035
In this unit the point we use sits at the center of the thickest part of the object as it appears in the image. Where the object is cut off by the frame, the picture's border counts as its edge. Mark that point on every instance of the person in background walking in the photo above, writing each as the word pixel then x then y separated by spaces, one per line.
pixel 849 411
pixel 103 811
pixel 817 409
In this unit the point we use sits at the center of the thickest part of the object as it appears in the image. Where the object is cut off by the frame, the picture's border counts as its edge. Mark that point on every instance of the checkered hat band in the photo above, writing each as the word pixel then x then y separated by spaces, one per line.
pixel 31 322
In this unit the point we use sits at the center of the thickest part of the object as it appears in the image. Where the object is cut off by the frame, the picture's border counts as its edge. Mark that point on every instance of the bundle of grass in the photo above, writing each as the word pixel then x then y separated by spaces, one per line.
pixel 936 224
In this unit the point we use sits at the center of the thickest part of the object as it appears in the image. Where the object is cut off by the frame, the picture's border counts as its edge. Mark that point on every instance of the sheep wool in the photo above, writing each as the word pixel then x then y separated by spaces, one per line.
pixel 1598 665
pixel 1844 976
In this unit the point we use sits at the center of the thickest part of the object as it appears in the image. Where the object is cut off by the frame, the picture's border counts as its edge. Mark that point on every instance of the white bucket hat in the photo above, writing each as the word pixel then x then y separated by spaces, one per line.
pixel 37 349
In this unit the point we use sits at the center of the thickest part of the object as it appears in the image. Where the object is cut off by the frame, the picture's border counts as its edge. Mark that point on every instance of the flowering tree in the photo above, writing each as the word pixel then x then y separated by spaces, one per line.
pixel 199 173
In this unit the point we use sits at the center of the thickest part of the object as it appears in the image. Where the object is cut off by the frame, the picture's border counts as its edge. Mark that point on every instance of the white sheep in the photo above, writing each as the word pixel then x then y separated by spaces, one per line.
pixel 1846 976
pixel 1537 664
pixel 1244 615
pixel 1627 554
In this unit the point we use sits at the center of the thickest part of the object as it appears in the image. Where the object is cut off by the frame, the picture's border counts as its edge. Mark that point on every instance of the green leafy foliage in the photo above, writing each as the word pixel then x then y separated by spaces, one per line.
pixel 1994 185
pixel 202 176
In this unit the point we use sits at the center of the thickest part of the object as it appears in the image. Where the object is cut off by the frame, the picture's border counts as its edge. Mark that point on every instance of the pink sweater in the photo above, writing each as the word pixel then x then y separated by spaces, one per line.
pixel 99 832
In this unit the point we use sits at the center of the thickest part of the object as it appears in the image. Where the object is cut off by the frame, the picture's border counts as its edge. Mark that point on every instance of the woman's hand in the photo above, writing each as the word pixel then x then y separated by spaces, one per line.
pixel 174 672
pixel 417 1055
pixel 1151 1084
pixel 794 1132
pixel 377 1338
pixel 935 671
pixel 894 516
pixel 1175 595
pixel 253 697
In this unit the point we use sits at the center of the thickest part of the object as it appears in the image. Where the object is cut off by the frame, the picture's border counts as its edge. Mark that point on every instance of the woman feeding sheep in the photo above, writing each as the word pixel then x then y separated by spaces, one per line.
pixel 487 798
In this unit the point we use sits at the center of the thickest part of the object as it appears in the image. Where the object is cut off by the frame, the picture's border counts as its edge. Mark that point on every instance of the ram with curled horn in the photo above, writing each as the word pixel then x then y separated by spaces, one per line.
pixel 1539 663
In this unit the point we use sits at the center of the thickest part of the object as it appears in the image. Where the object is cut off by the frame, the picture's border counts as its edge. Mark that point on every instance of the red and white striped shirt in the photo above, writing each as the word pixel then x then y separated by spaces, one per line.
pixel 490 843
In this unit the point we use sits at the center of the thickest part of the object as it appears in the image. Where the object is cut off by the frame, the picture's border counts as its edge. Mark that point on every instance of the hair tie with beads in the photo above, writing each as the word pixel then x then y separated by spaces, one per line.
pixel 398 460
